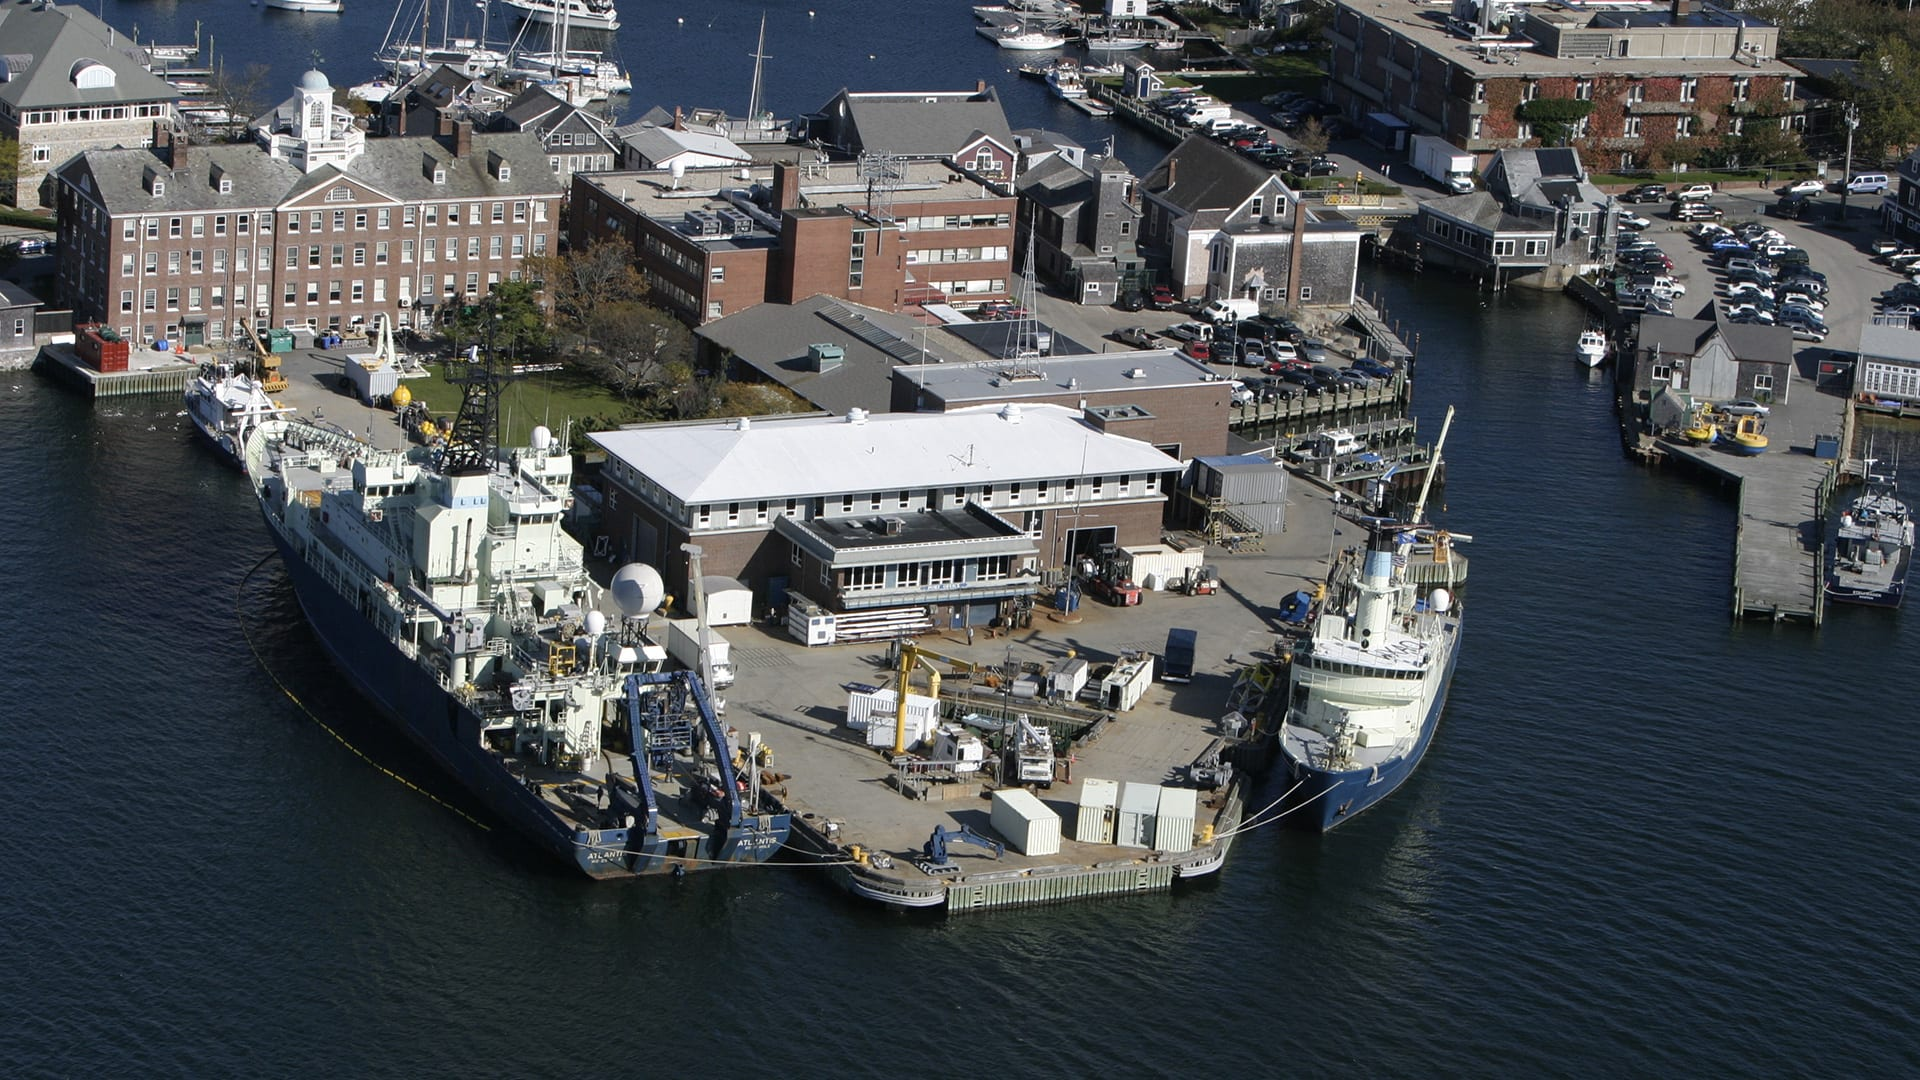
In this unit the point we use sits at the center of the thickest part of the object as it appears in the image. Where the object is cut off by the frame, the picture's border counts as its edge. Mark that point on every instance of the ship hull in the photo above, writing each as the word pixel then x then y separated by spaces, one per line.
pixel 409 696
pixel 1326 798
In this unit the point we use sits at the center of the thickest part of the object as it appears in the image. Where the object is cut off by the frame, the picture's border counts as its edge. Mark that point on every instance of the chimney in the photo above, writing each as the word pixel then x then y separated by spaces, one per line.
pixel 177 155
pixel 163 141
pixel 979 86
pixel 446 123
pixel 786 187
pixel 400 121
pixel 1173 169
pixel 462 138
pixel 679 123
pixel 1296 251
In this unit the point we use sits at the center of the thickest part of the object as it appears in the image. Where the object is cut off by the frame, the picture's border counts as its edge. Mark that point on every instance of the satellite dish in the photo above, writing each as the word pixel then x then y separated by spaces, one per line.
pixel 542 437
pixel 1440 600
pixel 637 588
pixel 596 623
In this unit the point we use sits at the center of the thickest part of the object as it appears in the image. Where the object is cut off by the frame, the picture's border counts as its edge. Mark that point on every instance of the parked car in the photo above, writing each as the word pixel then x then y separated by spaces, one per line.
pixel 1137 336
pixel 1283 352
pixel 1374 368
pixel 1634 221
pixel 1199 350
pixel 1785 296
pixel 1901 311
pixel 1804 187
pixel 1303 379
pixel 1697 211
pixel 1707 231
pixel 1313 350
pixel 30 245
pixel 1646 193
pixel 1131 300
pixel 1793 207
pixel 1867 184
pixel 1746 290
pixel 1883 248
pixel 1694 193
pixel 1749 312
pixel 1743 407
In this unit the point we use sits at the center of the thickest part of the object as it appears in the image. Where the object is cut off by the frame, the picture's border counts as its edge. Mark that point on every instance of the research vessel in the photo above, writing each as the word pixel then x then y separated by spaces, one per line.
pixel 441 584
pixel 1874 545
pixel 1368 684
pixel 225 405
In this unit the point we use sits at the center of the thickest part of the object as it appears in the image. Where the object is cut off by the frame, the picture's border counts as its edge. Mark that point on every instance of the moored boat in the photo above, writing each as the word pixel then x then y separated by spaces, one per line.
pixel 226 405
pixel 322 7
pixel 1873 546
pixel 443 587
pixel 1065 82
pixel 581 14
pixel 1591 349
pixel 1367 688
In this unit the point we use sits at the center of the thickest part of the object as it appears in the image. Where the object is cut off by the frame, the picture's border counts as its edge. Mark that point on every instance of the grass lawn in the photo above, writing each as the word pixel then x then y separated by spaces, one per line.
pixel 548 397
pixel 1293 73
pixel 11 216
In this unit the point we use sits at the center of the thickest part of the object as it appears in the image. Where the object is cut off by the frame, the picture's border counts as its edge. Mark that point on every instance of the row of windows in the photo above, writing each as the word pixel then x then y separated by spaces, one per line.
pixel 97 112
pixel 318 220
pixel 356 291
pixel 195 262
pixel 950 255
pixel 1889 379
pixel 1021 493
pixel 958 221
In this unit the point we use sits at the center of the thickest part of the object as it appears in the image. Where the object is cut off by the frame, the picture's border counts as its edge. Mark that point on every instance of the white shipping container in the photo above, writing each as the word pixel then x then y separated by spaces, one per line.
pixel 729 603
pixel 1123 689
pixel 1133 825
pixel 1173 822
pixel 1098 799
pixel 1069 678
pixel 872 711
pixel 1164 565
pixel 1025 821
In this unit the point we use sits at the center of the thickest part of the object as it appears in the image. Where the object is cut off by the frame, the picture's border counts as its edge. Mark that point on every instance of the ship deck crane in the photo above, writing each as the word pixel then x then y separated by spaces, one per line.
pixel 266 361
pixel 936 846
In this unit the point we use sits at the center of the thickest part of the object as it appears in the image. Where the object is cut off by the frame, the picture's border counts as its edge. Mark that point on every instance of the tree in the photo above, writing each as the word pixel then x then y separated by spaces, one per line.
pixel 242 94
pixel 9 169
pixel 582 282
pixel 1888 95
pixel 1312 137
pixel 640 348
pixel 510 319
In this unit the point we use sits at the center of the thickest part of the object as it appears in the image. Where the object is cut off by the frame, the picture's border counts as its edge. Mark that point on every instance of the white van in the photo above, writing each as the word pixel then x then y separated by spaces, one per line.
pixel 1867 183
pixel 1230 308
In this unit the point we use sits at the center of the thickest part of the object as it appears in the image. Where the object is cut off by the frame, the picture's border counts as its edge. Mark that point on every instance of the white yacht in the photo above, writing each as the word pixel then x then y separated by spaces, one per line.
pixel 582 14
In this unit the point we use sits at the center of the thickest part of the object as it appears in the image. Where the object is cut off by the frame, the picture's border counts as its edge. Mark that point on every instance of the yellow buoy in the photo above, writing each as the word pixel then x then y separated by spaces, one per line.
pixel 402 397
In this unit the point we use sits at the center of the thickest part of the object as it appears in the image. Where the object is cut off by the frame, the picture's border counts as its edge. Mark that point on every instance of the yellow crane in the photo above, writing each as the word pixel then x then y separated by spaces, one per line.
pixel 266 359
pixel 913 656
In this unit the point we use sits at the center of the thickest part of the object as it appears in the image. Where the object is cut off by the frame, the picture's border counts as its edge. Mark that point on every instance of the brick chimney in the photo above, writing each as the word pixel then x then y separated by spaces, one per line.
pixel 462 138
pixel 980 86
pixel 446 123
pixel 679 122
pixel 786 187
pixel 163 141
pixel 400 120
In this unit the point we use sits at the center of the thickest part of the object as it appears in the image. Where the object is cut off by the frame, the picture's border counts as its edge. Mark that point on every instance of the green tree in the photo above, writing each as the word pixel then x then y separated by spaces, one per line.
pixel 643 353
pixel 510 319
pixel 1887 93
pixel 9 169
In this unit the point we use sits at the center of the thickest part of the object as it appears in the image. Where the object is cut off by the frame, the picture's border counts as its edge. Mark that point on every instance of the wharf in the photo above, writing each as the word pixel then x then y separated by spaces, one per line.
pixel 843 796
pixel 1779 542
pixel 148 372
pixel 1337 408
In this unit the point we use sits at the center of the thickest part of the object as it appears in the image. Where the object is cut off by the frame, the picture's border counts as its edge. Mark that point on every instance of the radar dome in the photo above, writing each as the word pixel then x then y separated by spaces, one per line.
pixel 314 80
pixel 596 623
pixel 542 437
pixel 637 588
pixel 1440 600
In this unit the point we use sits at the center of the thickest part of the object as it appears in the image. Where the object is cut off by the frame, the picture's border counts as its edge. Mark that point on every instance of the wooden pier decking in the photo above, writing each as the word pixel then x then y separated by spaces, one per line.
pixel 1780 538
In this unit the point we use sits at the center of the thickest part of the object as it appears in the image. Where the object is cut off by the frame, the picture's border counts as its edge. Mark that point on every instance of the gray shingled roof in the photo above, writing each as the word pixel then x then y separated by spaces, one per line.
pixel 393 166
pixel 533 103
pixel 1056 182
pixel 913 126
pixel 57 38
pixel 1200 174
pixel 1747 342
pixel 1890 342
pixel 1482 209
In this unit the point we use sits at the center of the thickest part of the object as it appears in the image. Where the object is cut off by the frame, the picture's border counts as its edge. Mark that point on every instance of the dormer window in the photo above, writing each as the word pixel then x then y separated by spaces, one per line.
pixel 159 187
pixel 439 174
pixel 91 74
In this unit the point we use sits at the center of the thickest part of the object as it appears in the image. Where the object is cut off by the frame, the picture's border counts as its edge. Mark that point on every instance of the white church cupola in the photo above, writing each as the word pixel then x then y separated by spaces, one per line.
pixel 308 130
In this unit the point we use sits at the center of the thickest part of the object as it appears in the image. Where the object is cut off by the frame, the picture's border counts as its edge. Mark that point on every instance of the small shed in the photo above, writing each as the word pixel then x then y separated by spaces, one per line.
pixel 1250 487
pixel 372 380
pixel 1173 819
pixel 1029 826
pixel 729 603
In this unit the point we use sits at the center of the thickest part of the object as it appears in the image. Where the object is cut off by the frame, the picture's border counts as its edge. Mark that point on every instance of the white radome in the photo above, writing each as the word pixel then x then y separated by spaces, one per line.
pixel 637 588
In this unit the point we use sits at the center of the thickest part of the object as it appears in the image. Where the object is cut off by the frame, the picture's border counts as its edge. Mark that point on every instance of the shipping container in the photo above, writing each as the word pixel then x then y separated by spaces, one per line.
pixel 683 644
pixel 809 623
pixel 1069 679
pixel 371 380
pixel 1133 822
pixel 101 348
pixel 1123 689
pixel 729 603
pixel 1029 827
pixel 1098 801
pixel 1253 487
pixel 1173 819
pixel 1158 567
pixel 868 710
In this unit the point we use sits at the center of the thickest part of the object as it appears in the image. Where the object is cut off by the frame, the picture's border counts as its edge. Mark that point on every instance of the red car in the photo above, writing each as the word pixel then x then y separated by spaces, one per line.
pixel 1199 350
pixel 1162 298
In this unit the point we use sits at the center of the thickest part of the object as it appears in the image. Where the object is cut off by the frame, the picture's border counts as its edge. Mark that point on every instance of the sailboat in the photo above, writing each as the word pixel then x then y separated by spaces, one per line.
pixel 406 50
pixel 580 77
pixel 321 7
pixel 597 14
pixel 1022 37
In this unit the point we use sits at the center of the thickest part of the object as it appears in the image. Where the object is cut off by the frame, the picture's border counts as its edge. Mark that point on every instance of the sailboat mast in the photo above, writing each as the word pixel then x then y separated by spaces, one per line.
pixel 759 56
pixel 1426 483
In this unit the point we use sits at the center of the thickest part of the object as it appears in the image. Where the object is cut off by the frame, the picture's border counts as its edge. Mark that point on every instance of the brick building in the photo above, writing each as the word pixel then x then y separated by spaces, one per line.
pixel 887 510
pixel 1158 396
pixel 68 83
pixel 713 241
pixel 312 225
pixel 1656 84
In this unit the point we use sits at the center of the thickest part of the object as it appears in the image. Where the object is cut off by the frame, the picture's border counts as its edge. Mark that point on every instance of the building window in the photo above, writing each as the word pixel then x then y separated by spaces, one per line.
pixel 1474 125
pixel 1688 86
pixel 1583 89
pixel 199 227
pixel 1682 127
pixel 1530 90
pixel 1786 89
pixel 126 266
pixel 384 218
pixel 1503 249
pixel 148 300
pixel 1762 386
pixel 1740 88
pixel 1736 125
pixel 359 254
pixel 1479 93
pixel 1630 127
pixel 126 301
pixel 173 298
pixel 173 263
pixel 196 260
pixel 1636 93
pixel 193 298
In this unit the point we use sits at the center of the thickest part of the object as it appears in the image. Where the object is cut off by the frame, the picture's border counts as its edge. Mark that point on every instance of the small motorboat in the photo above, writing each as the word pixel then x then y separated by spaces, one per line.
pixel 1591 349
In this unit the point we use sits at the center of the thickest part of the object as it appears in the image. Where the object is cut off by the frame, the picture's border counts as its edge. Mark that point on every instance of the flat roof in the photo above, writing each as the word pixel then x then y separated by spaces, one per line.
pixel 1046 376
pixel 736 460
pixel 849 541
pixel 1425 25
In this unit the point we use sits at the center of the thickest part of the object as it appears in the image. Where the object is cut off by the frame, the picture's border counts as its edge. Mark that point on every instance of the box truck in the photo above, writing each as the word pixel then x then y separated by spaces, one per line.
pixel 1177 664
pixel 1449 167
pixel 683 644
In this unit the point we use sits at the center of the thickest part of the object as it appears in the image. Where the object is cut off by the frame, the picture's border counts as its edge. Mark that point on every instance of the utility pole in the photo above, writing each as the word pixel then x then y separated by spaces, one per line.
pixel 1853 121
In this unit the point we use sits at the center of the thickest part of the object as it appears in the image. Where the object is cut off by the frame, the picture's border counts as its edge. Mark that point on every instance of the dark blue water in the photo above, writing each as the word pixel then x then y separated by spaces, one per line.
pixel 1647 841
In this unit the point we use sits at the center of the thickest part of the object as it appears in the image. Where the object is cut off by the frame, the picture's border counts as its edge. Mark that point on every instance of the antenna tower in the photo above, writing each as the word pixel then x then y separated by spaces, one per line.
pixel 1023 343
pixel 476 428
pixel 882 173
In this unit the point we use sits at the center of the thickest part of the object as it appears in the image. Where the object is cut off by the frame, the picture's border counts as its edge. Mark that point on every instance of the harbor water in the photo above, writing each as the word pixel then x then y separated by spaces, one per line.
pixel 1647 841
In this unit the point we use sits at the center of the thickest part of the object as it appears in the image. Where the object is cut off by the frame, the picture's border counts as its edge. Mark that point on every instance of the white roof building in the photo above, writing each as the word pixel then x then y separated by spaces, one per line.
pixel 797 457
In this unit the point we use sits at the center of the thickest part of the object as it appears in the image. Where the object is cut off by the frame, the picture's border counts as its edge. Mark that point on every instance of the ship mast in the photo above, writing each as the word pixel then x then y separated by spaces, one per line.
pixel 1426 483
pixel 759 55
pixel 476 429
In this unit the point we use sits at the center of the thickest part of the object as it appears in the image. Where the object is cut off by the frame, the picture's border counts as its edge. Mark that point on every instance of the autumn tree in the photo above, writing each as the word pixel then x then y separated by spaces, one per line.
pixel 1312 137
pixel 580 283
pixel 242 94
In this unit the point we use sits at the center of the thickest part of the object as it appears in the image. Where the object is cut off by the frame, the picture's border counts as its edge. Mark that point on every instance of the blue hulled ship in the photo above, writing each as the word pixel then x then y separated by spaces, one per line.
pixel 1367 687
